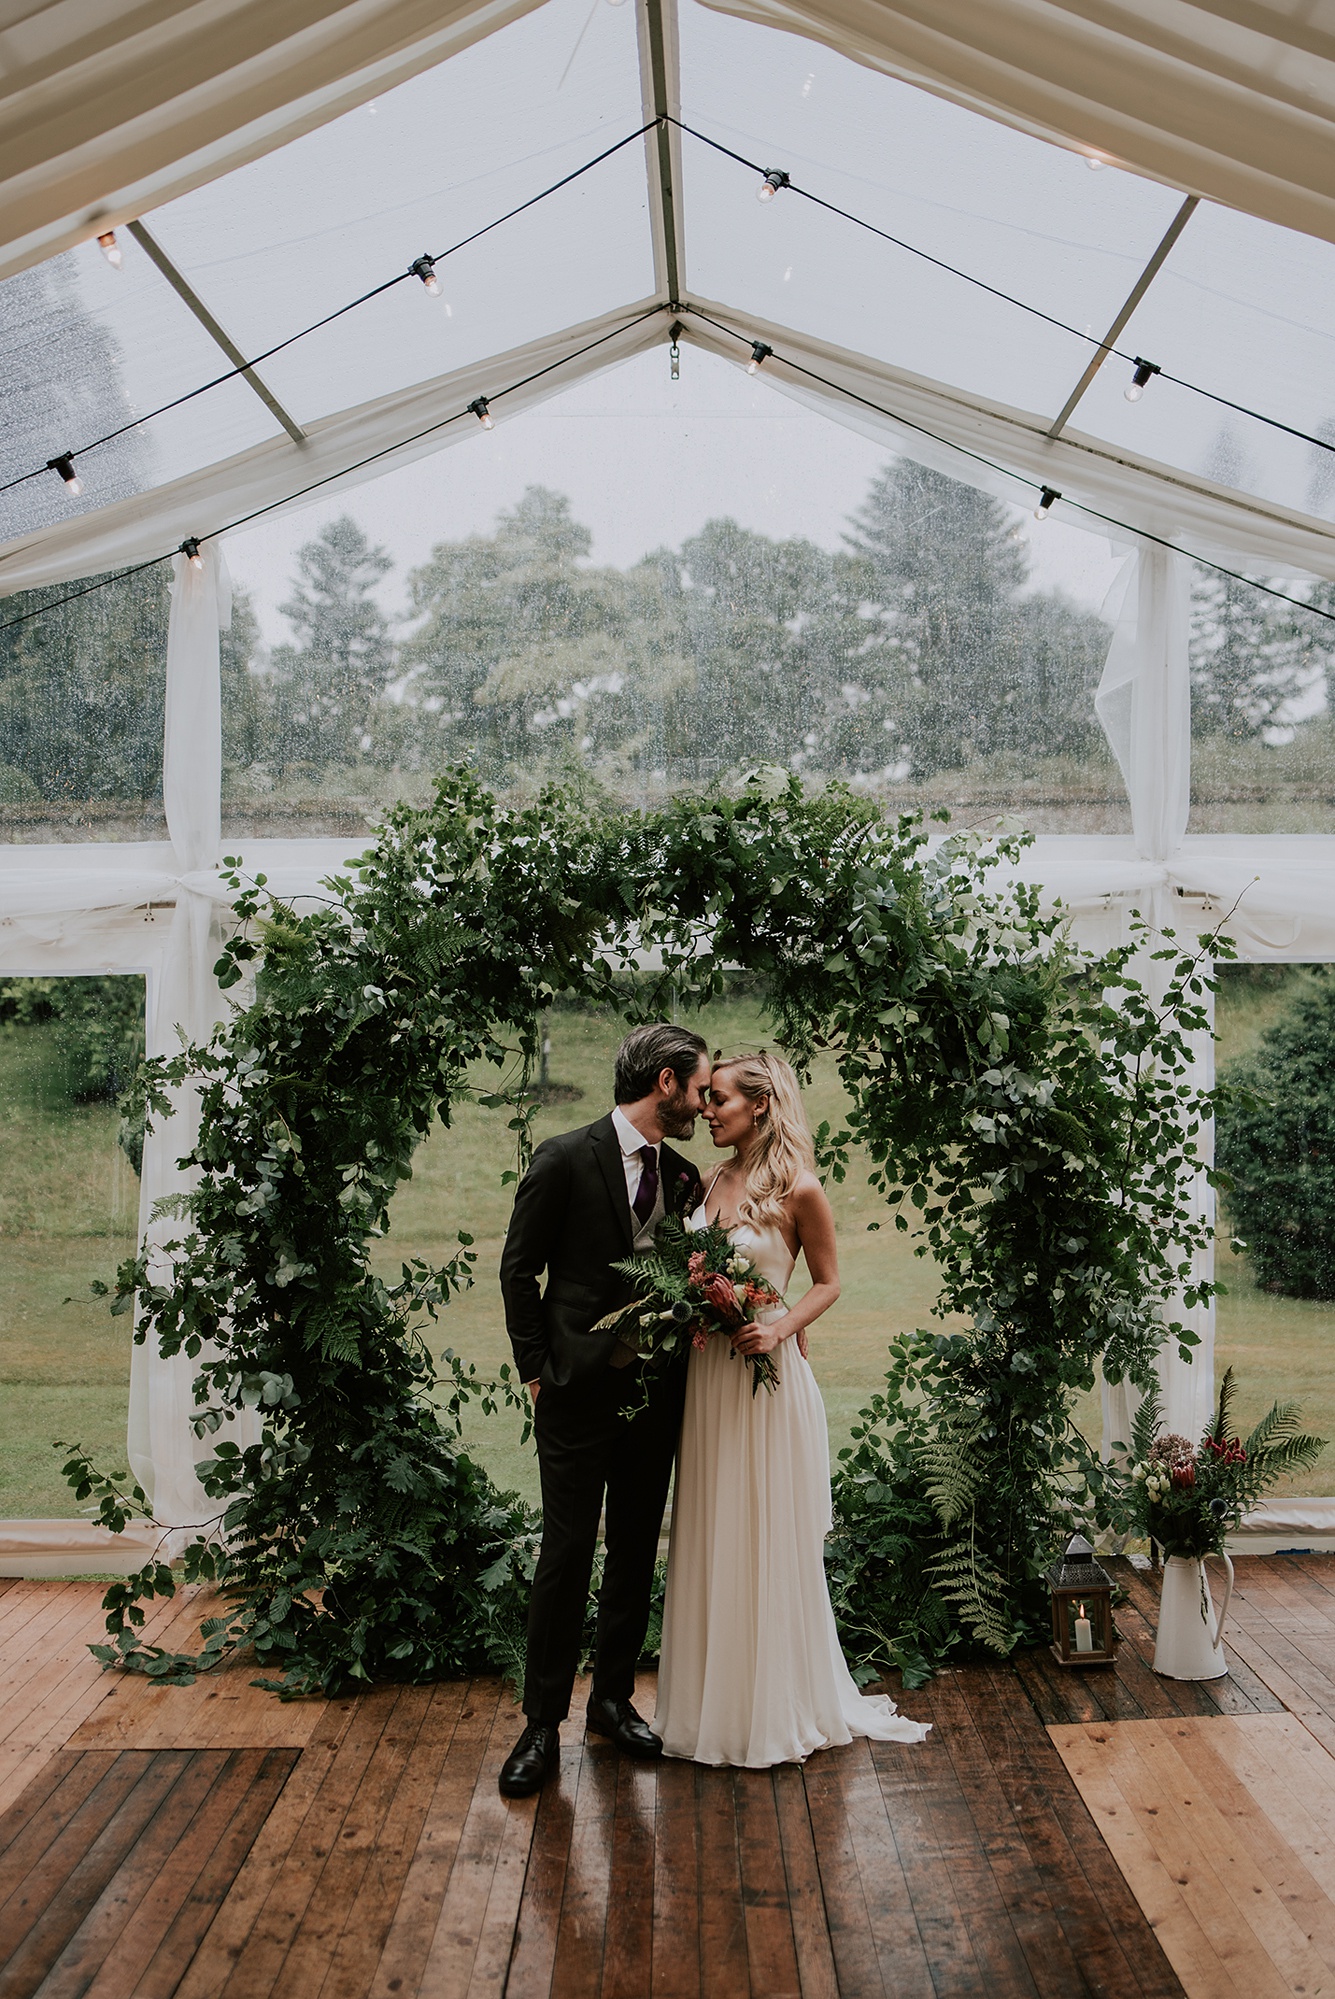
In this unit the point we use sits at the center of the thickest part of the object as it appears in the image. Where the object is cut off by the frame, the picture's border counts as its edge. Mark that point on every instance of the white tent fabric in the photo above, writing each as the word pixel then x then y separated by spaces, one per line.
pixel 925 420
pixel 106 112
pixel 109 112
pixel 1232 101
pixel 339 452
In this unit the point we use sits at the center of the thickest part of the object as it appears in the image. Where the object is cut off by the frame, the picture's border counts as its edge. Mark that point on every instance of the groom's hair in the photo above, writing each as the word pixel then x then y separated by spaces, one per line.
pixel 647 1051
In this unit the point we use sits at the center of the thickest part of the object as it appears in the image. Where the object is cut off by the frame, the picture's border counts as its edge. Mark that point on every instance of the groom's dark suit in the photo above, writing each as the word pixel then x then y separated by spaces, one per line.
pixel 572 1218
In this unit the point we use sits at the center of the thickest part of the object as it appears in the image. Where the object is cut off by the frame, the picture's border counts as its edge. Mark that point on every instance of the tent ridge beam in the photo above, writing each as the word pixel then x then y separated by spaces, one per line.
pixel 1137 293
pixel 661 94
pixel 181 285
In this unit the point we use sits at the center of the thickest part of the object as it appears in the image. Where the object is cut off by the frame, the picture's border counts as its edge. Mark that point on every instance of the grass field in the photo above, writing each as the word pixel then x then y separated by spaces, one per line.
pixel 68 1202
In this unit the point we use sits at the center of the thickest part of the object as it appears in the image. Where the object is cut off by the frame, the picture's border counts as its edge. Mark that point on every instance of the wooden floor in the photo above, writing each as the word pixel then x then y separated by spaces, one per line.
pixel 1057 1834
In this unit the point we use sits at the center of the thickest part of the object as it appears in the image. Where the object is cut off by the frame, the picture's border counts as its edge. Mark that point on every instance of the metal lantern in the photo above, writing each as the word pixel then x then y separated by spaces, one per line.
pixel 1082 1619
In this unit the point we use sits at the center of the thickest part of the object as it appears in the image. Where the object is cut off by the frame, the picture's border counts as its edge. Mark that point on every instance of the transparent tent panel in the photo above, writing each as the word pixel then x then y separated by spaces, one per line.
pixel 69 1212
pixel 294 236
pixel 1025 217
pixel 652 583
pixel 1241 306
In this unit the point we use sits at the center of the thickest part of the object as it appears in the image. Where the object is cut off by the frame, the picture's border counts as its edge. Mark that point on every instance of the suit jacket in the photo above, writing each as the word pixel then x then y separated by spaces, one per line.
pixel 572 1218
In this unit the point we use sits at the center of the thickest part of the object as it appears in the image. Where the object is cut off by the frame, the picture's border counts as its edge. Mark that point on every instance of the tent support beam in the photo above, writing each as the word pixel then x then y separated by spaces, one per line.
pixel 1138 291
pixel 660 91
pixel 181 285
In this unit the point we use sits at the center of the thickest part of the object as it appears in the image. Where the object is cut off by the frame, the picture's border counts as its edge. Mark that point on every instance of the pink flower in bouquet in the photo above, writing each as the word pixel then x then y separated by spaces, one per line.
pixel 695 1266
pixel 700 1337
pixel 760 1294
pixel 720 1292
pixel 1183 1474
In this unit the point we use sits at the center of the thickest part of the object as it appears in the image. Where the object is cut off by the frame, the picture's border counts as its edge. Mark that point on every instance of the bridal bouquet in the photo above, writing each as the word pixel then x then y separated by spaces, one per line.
pixel 1187 1496
pixel 693 1285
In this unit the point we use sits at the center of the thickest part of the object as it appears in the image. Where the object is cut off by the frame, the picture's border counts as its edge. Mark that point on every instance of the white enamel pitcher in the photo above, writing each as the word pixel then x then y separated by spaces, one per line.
pixel 1190 1644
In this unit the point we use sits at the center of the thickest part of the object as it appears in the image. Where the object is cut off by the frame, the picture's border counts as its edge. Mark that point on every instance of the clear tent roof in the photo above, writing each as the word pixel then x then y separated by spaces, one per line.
pixel 1241 306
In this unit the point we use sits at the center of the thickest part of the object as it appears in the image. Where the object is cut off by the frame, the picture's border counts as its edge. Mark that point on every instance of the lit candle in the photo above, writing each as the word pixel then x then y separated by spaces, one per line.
pixel 1084 1632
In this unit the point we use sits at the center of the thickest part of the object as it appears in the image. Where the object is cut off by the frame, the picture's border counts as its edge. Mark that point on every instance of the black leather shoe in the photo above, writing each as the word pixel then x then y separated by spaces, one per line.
pixel 619 1720
pixel 531 1761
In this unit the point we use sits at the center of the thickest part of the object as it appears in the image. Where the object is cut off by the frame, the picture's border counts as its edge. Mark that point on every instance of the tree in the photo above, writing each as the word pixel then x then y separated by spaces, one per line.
pixel 1250 657
pixel 63 388
pixel 955 664
pixel 526 650
pixel 1278 1147
pixel 325 686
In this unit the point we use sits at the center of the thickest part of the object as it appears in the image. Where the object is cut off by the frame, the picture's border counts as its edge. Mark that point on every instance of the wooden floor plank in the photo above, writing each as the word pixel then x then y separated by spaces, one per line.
pixel 54 1905
pixel 164 1844
pixel 628 1948
pixel 426 1883
pixel 1252 1930
pixel 223 1858
pixel 722 1915
pixel 581 1935
pixel 1114 1947
pixel 771 1950
pixel 58 1836
pixel 674 1970
pixel 806 1902
pixel 469 1951
pixel 1087 1753
pixel 258 1970
pixel 370 1913
pixel 848 1918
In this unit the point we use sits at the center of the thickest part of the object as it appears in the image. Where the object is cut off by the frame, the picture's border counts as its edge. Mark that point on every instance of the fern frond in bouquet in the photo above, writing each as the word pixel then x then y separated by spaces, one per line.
pixel 693 1285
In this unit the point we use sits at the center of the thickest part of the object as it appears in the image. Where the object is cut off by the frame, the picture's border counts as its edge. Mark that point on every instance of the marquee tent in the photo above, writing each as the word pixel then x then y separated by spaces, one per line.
pixel 945 289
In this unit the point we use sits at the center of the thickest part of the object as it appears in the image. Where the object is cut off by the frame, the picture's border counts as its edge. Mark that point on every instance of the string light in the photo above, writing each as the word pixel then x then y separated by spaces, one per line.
pixel 1047 500
pixel 190 549
pixel 424 267
pixel 759 352
pixel 1145 373
pixel 674 351
pixel 1095 162
pixel 110 248
pixel 482 413
pixel 64 464
pixel 775 178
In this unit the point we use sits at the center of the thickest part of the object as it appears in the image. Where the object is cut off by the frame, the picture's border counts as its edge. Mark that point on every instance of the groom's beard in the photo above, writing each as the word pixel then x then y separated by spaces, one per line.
pixel 676 1119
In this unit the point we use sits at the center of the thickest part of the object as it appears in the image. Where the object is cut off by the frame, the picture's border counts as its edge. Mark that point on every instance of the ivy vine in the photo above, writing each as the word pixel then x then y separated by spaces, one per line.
pixel 1023 1105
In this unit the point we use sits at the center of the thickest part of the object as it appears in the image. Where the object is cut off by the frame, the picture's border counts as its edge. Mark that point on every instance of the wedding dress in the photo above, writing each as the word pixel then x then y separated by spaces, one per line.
pixel 751 1671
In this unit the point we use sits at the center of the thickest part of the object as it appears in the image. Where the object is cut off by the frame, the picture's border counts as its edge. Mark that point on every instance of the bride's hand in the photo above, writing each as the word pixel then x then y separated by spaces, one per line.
pixel 764 1339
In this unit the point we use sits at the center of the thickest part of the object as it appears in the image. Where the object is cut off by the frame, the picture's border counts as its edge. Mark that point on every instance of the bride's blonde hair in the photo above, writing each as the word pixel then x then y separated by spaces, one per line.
pixel 783 1151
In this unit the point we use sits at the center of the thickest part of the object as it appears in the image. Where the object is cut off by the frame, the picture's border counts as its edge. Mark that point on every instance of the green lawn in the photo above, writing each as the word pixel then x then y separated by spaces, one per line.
pixel 68 1201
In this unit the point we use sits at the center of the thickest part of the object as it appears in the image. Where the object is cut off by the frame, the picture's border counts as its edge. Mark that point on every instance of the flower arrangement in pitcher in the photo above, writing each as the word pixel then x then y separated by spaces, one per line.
pixel 692 1286
pixel 1189 1497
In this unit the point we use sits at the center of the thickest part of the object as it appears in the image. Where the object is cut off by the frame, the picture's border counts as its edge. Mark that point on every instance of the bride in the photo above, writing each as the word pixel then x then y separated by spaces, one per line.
pixel 751 1670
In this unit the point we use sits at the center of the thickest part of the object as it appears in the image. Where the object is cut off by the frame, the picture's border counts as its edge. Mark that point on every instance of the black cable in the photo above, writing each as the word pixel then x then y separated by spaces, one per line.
pixel 1008 298
pixel 1021 478
pixel 386 451
pixel 388 284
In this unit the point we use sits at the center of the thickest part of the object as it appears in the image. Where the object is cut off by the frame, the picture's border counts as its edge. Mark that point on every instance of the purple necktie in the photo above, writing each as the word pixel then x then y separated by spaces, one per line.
pixel 647 1192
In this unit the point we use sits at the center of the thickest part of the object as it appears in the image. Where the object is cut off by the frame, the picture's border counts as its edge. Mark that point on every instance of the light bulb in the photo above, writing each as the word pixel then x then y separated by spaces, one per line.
pixel 191 550
pixel 424 267
pixel 1145 372
pixel 774 179
pixel 674 356
pixel 759 352
pixel 65 466
pixel 482 413
pixel 1094 162
pixel 1047 500
pixel 110 248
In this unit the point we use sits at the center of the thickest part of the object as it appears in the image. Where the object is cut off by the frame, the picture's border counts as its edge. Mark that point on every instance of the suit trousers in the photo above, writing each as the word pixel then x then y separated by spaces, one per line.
pixel 592 1455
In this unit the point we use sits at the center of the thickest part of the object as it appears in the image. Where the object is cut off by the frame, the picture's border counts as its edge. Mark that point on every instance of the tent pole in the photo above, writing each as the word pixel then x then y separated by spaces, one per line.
pixel 1138 291
pixel 184 289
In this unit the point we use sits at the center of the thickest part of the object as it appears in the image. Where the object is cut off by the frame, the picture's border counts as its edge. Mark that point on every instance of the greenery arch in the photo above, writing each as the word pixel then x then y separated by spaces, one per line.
pixel 1033 1132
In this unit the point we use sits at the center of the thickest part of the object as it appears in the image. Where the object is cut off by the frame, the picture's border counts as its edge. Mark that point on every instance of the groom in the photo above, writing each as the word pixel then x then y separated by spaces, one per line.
pixel 590 1199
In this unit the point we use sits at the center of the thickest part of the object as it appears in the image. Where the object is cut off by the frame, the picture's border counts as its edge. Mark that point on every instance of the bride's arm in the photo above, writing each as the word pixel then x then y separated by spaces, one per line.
pixel 813 1219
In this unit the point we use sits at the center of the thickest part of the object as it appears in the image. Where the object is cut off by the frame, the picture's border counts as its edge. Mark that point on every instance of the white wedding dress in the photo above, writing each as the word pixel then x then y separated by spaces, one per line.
pixel 751 1671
